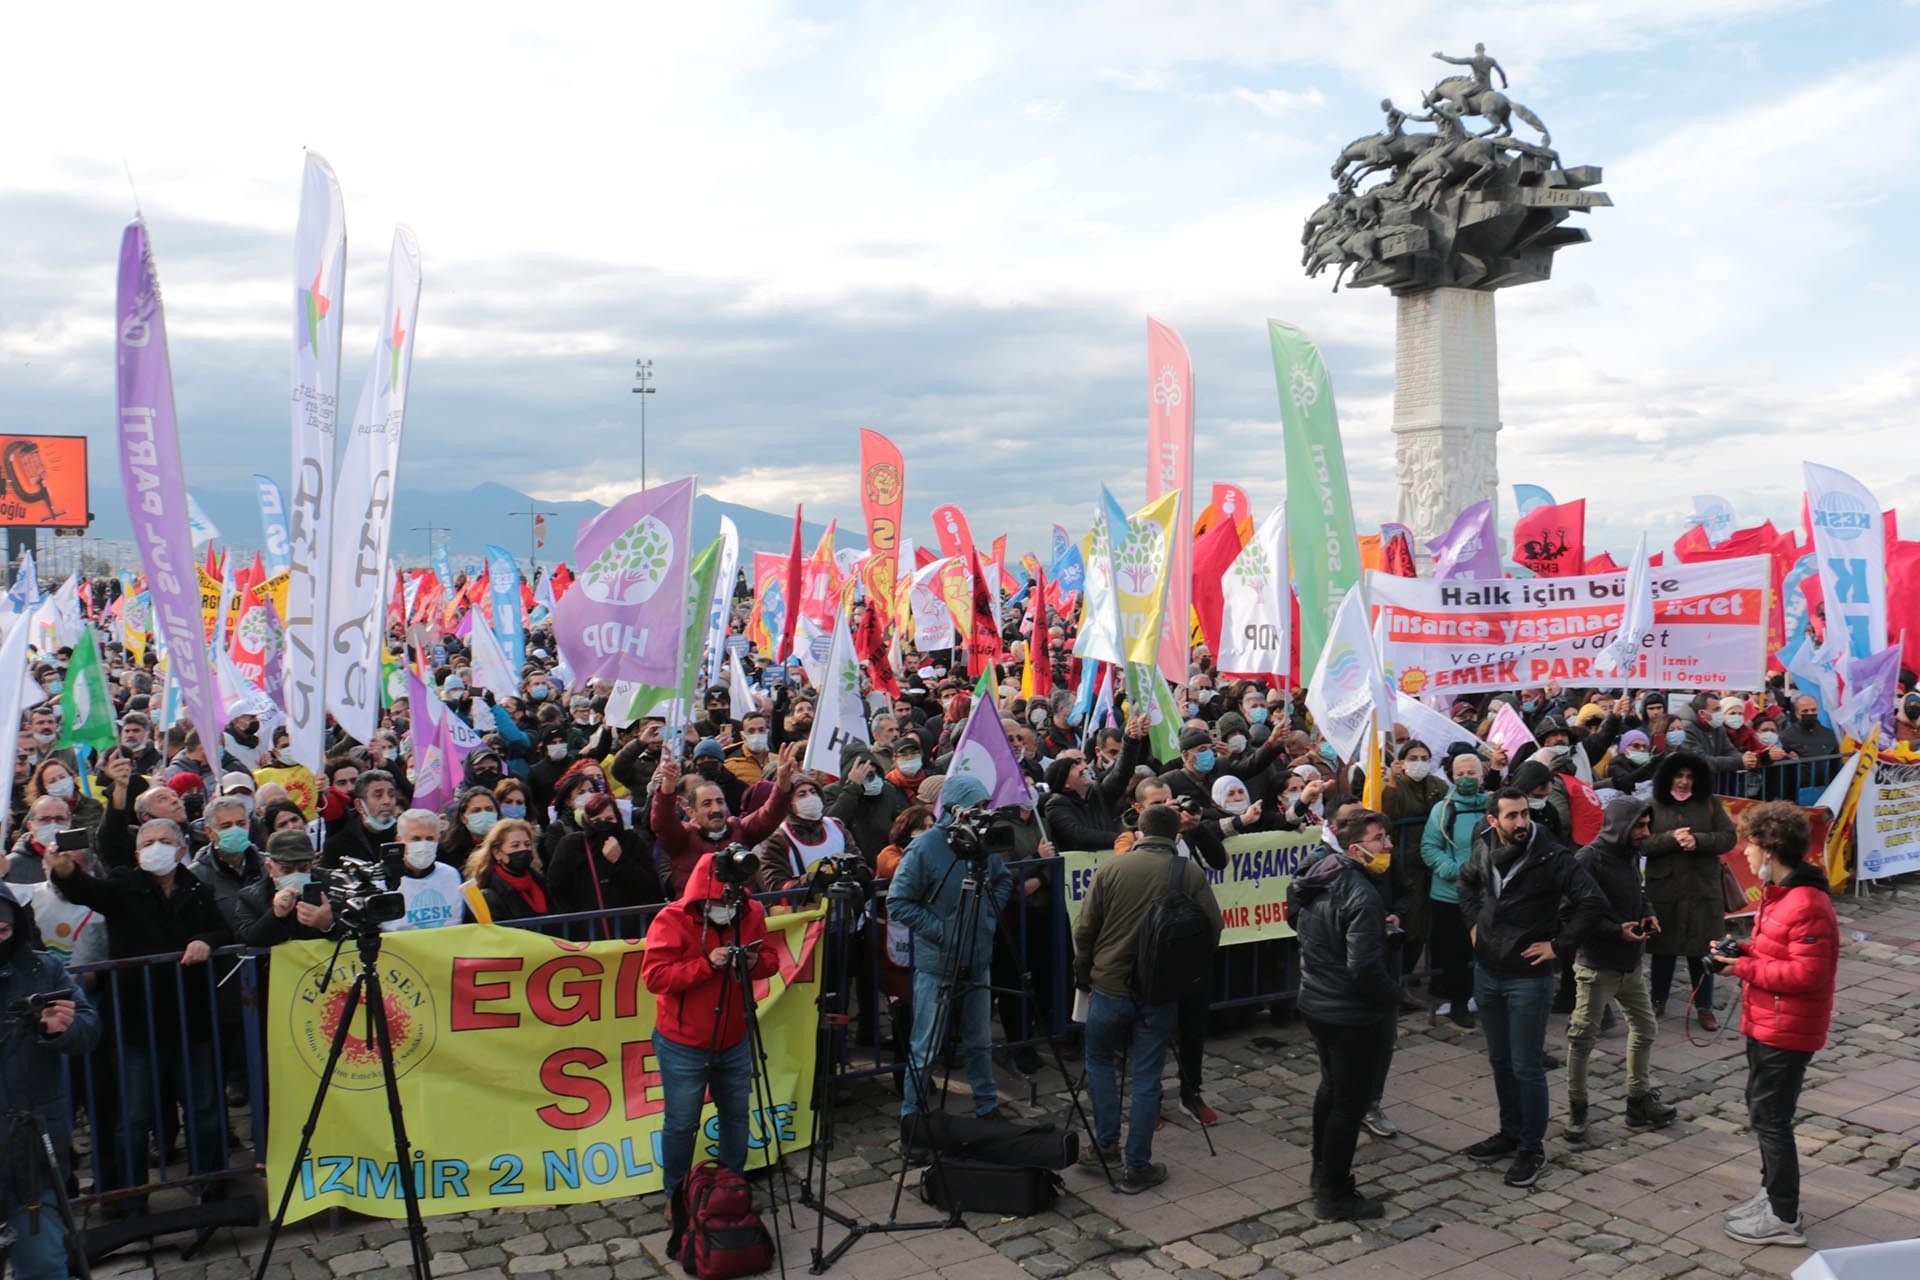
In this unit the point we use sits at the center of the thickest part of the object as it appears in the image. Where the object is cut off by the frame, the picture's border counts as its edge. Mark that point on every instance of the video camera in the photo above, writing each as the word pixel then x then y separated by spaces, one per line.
pixel 979 833
pixel 734 865
pixel 361 893
pixel 23 1013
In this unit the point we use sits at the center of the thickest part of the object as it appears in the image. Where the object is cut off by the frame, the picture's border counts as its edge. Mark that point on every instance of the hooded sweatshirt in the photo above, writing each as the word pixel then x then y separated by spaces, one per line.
pixel 925 893
pixel 1614 866
pixel 676 969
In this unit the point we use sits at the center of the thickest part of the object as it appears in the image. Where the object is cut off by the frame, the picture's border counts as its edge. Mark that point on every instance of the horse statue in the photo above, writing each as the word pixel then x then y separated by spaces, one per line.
pixel 1457 153
pixel 1471 99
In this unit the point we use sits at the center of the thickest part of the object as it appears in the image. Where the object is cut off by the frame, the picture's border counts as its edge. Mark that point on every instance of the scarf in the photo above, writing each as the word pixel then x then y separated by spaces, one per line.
pixel 526 886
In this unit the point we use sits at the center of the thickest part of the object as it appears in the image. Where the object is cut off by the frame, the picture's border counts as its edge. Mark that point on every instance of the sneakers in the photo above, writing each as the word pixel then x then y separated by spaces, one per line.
pixel 1763 1226
pixel 1349 1206
pixel 1491 1149
pixel 1378 1125
pixel 1197 1108
pixel 1748 1207
pixel 1134 1181
pixel 1648 1112
pixel 1091 1157
pixel 1525 1169
pixel 1576 1126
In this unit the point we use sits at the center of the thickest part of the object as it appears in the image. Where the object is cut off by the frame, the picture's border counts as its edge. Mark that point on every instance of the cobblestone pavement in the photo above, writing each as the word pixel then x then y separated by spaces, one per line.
pixel 1628 1206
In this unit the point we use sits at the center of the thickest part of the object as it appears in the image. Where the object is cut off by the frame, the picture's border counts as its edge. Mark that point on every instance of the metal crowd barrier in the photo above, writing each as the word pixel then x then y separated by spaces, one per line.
pixel 1789 780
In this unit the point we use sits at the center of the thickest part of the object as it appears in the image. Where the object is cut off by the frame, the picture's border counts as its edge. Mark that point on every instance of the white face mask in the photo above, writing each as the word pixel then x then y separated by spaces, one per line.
pixel 873 785
pixel 1038 717
pixel 420 854
pixel 60 788
pixel 1237 743
pixel 908 766
pixel 1639 757
pixel 1536 803
pixel 44 832
pixel 1550 755
pixel 1735 719
pixel 158 859
pixel 1419 769
pixel 756 742
pixel 1718 719
pixel 720 914
pixel 1768 738
pixel 295 880
pixel 556 751
pixel 808 808
pixel 1235 806
pixel 1676 737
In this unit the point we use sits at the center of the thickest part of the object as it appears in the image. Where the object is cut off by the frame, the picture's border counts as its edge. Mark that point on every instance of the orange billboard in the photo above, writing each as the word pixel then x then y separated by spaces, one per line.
pixel 43 481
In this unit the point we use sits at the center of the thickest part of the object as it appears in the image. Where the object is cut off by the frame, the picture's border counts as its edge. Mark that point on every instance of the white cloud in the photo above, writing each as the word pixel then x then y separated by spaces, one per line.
pixel 1280 102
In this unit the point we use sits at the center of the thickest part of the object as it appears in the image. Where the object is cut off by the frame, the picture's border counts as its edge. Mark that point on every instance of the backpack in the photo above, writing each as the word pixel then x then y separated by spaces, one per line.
pixel 1173 950
pixel 716 1233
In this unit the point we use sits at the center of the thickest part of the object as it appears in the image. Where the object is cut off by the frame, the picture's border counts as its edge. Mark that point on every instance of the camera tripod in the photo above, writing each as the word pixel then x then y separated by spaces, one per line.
pixel 44 1163
pixel 365 990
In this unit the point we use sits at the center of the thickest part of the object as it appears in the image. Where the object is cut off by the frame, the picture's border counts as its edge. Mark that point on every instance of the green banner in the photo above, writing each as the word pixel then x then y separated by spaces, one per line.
pixel 1251 891
pixel 1320 539
pixel 652 698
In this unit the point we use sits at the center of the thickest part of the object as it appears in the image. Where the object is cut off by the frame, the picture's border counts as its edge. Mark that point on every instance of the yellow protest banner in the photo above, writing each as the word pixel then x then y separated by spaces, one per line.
pixel 1251 891
pixel 303 788
pixel 525 1065
pixel 273 589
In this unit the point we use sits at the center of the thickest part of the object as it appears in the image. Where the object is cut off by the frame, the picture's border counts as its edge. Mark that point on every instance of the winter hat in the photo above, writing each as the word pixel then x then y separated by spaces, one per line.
pixel 184 781
pixel 709 748
pixel 1191 739
pixel 290 846
pixel 1633 738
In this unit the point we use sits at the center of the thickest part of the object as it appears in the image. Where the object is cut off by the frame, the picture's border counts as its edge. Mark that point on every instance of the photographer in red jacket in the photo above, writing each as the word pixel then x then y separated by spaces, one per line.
pixel 699 1021
pixel 1788 968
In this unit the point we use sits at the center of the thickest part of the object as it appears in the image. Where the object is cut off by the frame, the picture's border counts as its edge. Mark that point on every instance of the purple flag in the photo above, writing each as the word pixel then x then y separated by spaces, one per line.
pixel 983 752
pixel 432 783
pixel 623 617
pixel 1868 704
pixel 1469 549
pixel 150 481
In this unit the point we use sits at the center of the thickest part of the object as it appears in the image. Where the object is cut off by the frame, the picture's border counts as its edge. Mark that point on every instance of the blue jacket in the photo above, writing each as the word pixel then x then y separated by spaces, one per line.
pixel 925 892
pixel 31 1073
pixel 1448 841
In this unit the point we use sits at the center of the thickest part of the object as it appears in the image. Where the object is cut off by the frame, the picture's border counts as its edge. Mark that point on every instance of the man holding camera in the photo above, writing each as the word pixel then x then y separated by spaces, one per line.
pixel 34 1084
pixel 287 904
pixel 925 896
pixel 698 949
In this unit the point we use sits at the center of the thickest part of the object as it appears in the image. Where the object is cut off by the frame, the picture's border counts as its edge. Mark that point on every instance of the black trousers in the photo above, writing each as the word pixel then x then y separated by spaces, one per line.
pixel 1774 1077
pixel 1350 1057
pixel 1192 1045
pixel 1452 954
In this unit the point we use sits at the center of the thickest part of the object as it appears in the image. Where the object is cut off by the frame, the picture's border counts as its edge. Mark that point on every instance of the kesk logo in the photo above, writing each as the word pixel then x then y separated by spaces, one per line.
pixel 412 1021
pixel 1844 515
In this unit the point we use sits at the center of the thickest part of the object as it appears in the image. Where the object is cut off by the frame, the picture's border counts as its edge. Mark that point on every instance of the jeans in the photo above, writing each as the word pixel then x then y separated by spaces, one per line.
pixel 1452 954
pixel 1697 973
pixel 186 1075
pixel 971 1013
pixel 1774 1077
pixel 1352 1058
pixel 1513 1013
pixel 688 1074
pixel 1116 1024
pixel 40 1249
pixel 1593 989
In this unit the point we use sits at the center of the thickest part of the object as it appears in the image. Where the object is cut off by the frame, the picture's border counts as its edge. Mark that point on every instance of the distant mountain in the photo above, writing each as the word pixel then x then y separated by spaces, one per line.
pixel 474 517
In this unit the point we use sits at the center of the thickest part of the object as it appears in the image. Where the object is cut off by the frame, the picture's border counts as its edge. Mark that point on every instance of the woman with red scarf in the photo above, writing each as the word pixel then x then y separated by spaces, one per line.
pixel 504 881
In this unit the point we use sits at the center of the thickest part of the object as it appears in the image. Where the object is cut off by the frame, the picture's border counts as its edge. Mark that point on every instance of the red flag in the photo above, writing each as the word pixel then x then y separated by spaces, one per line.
pixel 561 578
pixel 1213 554
pixel 883 495
pixel 951 531
pixel 1396 551
pixel 922 558
pixel 1602 563
pixel 1231 500
pixel 871 648
pixel 1170 470
pixel 1903 601
pixel 983 642
pixel 1039 649
pixel 820 583
pixel 1552 540
pixel 796 568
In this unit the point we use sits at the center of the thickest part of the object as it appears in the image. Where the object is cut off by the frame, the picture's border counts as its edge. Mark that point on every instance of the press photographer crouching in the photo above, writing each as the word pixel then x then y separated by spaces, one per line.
pixel 44 1019
pixel 697 948
pixel 1789 967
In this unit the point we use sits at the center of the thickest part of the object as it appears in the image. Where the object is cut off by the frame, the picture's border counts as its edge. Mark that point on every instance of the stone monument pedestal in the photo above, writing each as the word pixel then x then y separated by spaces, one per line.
pixel 1446 407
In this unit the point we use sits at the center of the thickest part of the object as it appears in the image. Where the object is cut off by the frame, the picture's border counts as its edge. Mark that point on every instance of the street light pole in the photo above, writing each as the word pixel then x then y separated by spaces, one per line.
pixel 430 530
pixel 643 387
pixel 533 515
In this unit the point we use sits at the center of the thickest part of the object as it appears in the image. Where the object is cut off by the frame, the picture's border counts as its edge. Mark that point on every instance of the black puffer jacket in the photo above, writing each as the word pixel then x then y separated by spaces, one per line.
pixel 1528 906
pixel 1346 974
pixel 1614 866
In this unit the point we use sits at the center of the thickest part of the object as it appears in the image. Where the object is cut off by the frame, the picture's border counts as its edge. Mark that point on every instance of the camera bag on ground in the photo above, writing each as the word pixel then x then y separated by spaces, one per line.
pixel 980 1186
pixel 1173 949
pixel 994 1140
pixel 716 1233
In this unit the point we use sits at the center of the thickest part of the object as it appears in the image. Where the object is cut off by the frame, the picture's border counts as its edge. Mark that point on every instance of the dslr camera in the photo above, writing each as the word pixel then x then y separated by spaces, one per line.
pixel 1728 949
pixel 734 865
pixel 23 1013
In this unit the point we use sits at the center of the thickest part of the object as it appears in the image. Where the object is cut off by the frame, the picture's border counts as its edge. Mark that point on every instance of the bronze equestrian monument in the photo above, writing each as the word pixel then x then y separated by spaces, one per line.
pixel 1449 217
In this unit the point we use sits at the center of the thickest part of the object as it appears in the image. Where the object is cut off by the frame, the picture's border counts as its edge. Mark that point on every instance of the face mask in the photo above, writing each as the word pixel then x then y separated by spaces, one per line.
pixel 377 824
pixel 44 738
pixel 1550 756
pixel 233 840
pixel 158 859
pixel 133 744
pixel 60 788
pixel 1717 720
pixel 1235 807
pixel 909 766
pixel 1328 753
pixel 1257 716
pixel 1205 696
pixel 1536 803
pixel 1810 721
pixel 1676 737
pixel 1237 743
pixel 44 832
pixel 708 768
pixel 720 915
pixel 295 880
pixel 1419 769
pixel 756 742
pixel 1529 707
pixel 1468 786
pixel 1038 717
pixel 808 808
pixel 1639 757
pixel 486 778
pixel 452 693
pixel 481 821
pixel 556 751
pixel 1193 709
pixel 420 854
pixel 513 809
pixel 872 785
pixel 519 863
pixel 538 693
pixel 55 686
pixel 1204 760
pixel 1377 863
pixel 1293 798
pixel 1682 791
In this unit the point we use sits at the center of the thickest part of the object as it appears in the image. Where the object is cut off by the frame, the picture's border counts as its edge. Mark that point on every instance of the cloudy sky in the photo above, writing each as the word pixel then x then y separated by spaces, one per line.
pixel 949 221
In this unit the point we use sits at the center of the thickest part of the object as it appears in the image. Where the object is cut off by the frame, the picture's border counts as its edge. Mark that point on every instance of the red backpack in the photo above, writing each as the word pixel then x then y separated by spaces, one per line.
pixel 717 1233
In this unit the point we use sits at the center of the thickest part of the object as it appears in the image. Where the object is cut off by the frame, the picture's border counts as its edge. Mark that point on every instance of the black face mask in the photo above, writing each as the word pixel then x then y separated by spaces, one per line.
pixel 519 863
pixel 602 830
pixel 1810 721
pixel 709 768
pixel 249 739
pixel 486 778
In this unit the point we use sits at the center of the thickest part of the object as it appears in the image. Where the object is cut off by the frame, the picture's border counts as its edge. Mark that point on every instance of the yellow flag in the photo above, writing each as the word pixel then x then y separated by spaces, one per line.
pixel 1140 569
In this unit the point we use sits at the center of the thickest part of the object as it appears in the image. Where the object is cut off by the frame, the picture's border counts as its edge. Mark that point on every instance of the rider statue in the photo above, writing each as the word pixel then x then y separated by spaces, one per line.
pixel 1482 65
pixel 1395 118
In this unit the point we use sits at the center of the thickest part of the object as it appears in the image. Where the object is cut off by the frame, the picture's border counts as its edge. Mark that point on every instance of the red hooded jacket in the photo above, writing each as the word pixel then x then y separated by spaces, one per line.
pixel 676 969
pixel 1790 963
